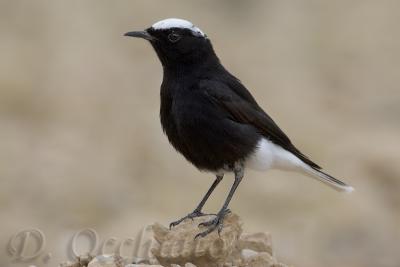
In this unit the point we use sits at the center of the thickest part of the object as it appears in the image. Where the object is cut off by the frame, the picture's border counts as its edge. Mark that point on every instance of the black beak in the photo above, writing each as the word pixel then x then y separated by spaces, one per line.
pixel 140 34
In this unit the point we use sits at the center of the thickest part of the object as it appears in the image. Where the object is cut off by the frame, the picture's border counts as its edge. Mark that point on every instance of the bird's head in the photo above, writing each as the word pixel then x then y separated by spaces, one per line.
pixel 176 42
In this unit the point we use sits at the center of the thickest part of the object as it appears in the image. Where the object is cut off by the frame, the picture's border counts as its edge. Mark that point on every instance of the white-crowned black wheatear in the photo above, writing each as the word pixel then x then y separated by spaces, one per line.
pixel 213 120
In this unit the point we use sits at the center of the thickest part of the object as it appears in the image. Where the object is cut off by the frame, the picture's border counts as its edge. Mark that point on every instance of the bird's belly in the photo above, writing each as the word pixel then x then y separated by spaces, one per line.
pixel 268 155
pixel 204 135
pixel 212 144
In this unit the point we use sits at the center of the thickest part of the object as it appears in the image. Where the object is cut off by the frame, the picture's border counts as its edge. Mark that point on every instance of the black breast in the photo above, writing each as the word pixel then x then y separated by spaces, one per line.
pixel 201 131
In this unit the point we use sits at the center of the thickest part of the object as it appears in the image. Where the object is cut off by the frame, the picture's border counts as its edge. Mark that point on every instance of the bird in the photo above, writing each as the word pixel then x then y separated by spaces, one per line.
pixel 213 120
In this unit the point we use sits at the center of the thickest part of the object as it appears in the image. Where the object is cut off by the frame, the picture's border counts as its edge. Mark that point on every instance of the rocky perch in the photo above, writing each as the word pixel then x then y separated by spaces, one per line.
pixel 177 247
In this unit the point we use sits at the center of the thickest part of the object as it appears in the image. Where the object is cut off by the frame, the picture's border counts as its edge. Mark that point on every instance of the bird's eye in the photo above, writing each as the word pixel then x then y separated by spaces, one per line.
pixel 174 37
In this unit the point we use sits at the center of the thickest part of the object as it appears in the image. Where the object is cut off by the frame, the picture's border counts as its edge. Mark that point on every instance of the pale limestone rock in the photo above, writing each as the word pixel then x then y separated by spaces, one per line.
pixel 107 261
pixel 142 245
pixel 142 265
pixel 247 254
pixel 69 264
pixel 262 259
pixel 81 261
pixel 178 246
pixel 84 260
pixel 231 249
pixel 186 265
pixel 259 242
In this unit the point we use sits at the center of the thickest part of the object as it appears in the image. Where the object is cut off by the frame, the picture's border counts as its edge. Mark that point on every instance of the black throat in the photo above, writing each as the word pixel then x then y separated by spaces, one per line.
pixel 192 59
pixel 183 70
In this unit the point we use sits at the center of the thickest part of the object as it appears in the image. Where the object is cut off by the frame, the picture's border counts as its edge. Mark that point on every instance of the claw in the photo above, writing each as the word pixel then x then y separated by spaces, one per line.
pixel 208 223
pixel 173 224
pixel 214 224
pixel 191 216
pixel 203 234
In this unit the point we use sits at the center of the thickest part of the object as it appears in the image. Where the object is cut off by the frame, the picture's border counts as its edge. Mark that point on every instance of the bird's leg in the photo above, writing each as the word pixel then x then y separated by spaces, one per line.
pixel 217 222
pixel 197 211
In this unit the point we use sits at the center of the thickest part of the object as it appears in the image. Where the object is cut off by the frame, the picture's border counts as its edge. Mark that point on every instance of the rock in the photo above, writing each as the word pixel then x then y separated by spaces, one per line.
pixel 262 259
pixel 81 261
pixel 142 265
pixel 107 261
pixel 178 246
pixel 247 254
pixel 84 260
pixel 143 243
pixel 69 264
pixel 259 242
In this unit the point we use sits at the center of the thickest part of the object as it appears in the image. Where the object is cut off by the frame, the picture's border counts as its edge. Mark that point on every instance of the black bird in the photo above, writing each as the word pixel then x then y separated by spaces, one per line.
pixel 213 120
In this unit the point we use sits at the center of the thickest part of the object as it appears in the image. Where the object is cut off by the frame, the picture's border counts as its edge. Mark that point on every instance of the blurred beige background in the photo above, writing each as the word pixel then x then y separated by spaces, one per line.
pixel 81 143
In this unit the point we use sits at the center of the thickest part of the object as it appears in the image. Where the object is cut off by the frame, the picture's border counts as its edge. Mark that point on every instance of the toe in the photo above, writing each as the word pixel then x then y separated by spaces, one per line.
pixel 214 224
pixel 220 227
pixel 171 225
pixel 206 232
pixel 207 223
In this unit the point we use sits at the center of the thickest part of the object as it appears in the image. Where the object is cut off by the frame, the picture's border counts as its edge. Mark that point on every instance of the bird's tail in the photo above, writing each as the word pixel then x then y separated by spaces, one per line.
pixel 327 179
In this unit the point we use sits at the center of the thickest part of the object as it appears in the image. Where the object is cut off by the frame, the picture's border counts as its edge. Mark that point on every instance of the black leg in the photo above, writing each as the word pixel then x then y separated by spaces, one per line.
pixel 197 211
pixel 217 222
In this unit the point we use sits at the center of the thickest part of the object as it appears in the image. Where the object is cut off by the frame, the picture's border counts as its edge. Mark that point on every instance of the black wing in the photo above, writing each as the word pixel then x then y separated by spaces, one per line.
pixel 237 101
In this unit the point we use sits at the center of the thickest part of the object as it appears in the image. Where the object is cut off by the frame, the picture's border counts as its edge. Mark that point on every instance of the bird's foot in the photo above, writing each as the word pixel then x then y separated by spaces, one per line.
pixel 194 214
pixel 215 224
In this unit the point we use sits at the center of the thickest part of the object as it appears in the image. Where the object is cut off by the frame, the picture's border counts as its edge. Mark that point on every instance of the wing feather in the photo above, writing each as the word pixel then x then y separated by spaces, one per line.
pixel 244 109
